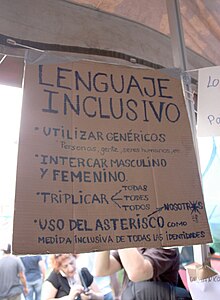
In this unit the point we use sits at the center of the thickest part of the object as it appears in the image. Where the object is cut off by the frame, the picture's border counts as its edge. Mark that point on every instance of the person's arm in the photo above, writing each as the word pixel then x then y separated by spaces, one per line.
pixel 106 264
pixel 136 267
pixel 91 294
pixel 42 266
pixel 23 281
pixel 94 292
pixel 115 286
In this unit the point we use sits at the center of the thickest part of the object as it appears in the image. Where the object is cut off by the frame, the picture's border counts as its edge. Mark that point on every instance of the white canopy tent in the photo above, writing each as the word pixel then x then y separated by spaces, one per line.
pixel 116 31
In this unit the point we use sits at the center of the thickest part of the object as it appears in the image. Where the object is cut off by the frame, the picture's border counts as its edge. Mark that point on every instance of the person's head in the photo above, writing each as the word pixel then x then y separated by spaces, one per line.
pixel 65 263
pixel 7 249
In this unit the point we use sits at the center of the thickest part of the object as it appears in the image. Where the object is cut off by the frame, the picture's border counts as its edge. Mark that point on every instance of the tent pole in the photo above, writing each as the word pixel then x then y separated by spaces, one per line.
pixel 180 61
pixel 176 33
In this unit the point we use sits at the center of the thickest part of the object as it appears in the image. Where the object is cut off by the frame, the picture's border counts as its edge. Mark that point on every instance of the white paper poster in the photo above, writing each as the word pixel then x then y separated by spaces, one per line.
pixel 209 102
pixel 208 288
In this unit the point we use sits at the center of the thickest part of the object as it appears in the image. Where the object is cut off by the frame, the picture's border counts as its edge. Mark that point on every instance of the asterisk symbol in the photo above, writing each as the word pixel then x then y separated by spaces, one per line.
pixel 194 207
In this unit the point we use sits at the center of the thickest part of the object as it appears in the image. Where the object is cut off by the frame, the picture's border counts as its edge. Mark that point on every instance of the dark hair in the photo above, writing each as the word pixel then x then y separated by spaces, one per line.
pixel 8 249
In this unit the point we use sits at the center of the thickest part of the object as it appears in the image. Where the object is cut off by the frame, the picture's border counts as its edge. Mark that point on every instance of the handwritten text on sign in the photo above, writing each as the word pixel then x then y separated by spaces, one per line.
pixel 209 102
pixel 107 160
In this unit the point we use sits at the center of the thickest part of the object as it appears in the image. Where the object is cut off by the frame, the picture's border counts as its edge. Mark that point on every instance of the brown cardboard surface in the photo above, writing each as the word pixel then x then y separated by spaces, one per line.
pixel 106 160
pixel 199 272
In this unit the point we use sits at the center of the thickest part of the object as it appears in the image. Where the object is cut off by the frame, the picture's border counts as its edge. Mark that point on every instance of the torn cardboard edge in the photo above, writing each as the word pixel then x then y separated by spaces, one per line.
pixel 197 271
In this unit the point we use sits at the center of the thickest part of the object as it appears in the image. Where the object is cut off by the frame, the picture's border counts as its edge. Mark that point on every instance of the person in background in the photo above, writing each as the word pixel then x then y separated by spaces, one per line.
pixel 116 286
pixel 149 273
pixel 108 285
pixel 35 271
pixel 64 281
pixel 12 277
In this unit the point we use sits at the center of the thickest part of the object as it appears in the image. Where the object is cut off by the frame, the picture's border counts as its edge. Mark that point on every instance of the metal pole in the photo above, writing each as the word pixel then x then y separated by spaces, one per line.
pixel 176 34
pixel 180 61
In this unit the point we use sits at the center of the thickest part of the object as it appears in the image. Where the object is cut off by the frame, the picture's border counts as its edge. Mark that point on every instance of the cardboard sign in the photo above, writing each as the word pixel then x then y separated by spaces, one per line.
pixel 106 161
pixel 208 102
